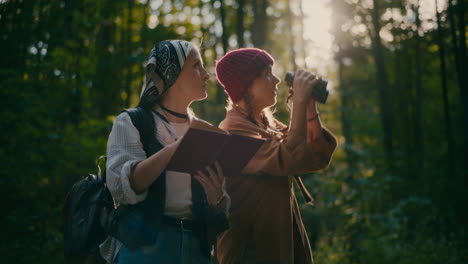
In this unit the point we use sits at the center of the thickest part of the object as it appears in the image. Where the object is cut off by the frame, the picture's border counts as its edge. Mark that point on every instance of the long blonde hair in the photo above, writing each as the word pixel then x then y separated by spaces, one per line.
pixel 267 122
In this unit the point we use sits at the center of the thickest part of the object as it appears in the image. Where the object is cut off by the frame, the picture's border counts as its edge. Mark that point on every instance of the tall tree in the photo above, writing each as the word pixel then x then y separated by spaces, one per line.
pixel 225 35
pixel 144 26
pixel 418 126
pixel 345 116
pixel 260 23
pixel 443 79
pixel 292 46
pixel 240 28
pixel 382 84
pixel 109 87
pixel 462 53
pixel 76 90
pixel 224 40
pixel 302 46
pixel 459 54
pixel 344 49
pixel 462 7
pixel 129 53
pixel 455 50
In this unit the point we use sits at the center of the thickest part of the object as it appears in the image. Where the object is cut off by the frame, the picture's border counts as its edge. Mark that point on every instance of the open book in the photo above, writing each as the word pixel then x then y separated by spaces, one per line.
pixel 203 144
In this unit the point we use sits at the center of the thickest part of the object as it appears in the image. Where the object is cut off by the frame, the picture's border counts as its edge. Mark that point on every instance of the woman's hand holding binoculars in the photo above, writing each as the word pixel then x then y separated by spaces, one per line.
pixel 303 84
pixel 306 85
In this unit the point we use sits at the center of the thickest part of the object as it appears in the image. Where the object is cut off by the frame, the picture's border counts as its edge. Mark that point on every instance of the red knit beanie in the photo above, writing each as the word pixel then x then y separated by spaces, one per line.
pixel 236 70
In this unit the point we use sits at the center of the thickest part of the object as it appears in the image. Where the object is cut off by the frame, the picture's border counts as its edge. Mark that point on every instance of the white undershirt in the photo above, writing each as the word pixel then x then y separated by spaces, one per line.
pixel 178 185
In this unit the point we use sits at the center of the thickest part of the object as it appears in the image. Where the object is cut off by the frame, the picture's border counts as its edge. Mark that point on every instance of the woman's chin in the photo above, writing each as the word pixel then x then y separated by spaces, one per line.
pixel 202 96
pixel 273 102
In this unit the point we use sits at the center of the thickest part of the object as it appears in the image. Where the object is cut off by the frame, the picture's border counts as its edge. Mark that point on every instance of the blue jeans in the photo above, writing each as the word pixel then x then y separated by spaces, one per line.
pixel 172 247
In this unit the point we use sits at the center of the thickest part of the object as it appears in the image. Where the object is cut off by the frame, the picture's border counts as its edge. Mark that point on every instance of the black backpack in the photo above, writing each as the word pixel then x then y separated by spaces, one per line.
pixel 89 203
pixel 84 215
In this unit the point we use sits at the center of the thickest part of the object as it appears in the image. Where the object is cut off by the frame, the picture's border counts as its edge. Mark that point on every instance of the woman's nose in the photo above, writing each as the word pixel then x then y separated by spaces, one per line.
pixel 206 75
pixel 277 80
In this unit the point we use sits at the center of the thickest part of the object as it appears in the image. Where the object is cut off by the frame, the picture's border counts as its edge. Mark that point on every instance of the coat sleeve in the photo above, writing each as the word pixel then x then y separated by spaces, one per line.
pixel 275 159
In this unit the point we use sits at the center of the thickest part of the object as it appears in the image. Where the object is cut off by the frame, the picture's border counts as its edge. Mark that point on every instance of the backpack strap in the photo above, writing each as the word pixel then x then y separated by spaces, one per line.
pixel 143 121
pixel 101 173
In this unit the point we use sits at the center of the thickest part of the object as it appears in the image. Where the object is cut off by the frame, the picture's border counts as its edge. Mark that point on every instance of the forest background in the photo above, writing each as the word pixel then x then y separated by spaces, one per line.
pixel 396 189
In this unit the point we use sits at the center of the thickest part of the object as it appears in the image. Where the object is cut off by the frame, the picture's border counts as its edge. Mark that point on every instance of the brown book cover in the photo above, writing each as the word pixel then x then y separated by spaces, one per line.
pixel 203 144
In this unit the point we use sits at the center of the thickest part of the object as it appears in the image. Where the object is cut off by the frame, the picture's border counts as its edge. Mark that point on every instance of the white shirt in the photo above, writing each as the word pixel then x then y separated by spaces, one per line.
pixel 124 151
pixel 178 185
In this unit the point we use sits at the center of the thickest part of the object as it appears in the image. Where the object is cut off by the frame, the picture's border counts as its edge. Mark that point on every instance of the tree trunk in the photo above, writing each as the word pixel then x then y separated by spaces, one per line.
pixel 224 39
pixel 345 120
pixel 418 131
pixel 225 36
pixel 461 68
pixel 382 84
pixel 461 7
pixel 76 95
pixel 128 53
pixel 291 36
pixel 107 97
pixel 202 104
pixel 443 75
pixel 240 29
pixel 303 41
pixel 403 67
pixel 455 51
pixel 144 27
pixel 259 27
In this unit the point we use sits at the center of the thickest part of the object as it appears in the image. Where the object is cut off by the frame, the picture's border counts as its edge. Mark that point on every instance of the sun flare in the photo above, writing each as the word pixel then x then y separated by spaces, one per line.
pixel 317 22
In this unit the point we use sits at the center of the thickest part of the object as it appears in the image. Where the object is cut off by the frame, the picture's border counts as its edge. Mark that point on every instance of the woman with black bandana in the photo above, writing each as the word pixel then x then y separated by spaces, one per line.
pixel 175 77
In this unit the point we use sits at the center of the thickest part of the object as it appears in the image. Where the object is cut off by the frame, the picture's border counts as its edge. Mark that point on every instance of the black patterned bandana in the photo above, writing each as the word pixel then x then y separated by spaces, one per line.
pixel 164 66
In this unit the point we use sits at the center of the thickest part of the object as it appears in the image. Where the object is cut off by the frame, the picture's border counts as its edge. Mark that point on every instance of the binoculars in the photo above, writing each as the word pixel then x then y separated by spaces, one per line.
pixel 319 92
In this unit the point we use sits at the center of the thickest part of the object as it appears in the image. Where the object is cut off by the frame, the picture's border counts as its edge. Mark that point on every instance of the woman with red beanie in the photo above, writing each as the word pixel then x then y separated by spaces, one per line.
pixel 265 222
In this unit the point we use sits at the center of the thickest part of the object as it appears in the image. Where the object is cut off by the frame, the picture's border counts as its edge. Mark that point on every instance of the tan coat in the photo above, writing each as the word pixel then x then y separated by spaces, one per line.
pixel 264 207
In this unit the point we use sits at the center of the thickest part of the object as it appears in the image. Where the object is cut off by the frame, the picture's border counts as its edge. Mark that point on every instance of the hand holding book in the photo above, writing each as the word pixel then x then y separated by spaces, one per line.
pixel 212 183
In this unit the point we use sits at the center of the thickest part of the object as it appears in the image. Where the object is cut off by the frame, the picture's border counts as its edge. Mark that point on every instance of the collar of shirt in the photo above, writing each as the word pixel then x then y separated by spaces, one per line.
pixel 165 132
